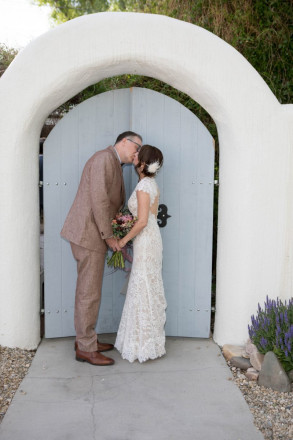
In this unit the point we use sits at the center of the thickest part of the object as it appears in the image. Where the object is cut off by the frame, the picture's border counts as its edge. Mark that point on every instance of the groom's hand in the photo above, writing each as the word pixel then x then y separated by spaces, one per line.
pixel 113 244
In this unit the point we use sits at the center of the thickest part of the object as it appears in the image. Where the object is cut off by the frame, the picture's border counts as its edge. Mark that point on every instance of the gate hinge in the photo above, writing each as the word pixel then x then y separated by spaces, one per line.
pixel 40 184
pixel 216 182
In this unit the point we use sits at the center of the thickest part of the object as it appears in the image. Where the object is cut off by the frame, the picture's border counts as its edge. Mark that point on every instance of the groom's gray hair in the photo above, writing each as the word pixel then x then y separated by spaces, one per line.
pixel 127 134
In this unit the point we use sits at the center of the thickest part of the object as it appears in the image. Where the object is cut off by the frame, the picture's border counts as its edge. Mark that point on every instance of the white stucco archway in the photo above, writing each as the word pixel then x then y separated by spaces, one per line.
pixel 255 238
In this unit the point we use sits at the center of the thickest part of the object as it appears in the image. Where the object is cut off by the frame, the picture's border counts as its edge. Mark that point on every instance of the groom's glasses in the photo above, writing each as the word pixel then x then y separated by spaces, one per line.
pixel 138 145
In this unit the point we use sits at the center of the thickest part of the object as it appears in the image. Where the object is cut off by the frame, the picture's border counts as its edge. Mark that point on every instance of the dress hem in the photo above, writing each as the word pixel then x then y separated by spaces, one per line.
pixel 140 359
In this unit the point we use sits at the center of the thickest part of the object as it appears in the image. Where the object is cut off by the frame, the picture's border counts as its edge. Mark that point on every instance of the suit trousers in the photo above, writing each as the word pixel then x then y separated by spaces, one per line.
pixel 90 268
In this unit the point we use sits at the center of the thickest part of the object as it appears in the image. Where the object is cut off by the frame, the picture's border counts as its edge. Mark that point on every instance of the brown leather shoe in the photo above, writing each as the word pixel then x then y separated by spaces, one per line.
pixel 93 357
pixel 101 346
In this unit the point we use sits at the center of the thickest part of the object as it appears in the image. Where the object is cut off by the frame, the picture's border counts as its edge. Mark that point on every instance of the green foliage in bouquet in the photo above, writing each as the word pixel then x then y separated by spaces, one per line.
pixel 272 330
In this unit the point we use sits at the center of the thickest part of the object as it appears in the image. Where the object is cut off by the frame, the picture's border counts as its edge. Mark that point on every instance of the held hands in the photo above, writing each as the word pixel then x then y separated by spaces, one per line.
pixel 113 244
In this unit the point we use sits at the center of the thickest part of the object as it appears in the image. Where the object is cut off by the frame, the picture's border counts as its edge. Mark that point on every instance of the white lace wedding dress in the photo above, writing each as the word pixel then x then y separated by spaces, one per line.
pixel 141 333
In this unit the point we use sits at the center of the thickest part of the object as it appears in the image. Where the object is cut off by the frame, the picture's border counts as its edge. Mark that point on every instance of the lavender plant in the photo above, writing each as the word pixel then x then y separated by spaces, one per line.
pixel 272 330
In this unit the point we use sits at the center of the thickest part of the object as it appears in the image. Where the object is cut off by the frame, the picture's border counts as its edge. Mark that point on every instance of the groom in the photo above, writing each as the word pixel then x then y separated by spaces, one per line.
pixel 88 228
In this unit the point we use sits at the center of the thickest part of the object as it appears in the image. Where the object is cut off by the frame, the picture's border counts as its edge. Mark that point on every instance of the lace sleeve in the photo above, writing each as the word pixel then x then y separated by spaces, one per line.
pixel 149 186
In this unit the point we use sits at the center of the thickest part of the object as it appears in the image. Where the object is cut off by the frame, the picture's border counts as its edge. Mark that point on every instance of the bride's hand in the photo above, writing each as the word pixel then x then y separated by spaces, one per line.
pixel 121 243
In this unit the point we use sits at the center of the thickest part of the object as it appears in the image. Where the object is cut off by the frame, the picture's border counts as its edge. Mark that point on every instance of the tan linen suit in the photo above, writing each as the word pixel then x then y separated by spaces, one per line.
pixel 100 196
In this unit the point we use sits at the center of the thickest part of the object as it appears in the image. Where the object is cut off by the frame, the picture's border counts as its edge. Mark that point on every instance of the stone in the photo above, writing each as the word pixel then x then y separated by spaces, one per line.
pixel 290 375
pixel 251 374
pixel 240 362
pixel 245 354
pixel 250 348
pixel 256 360
pixel 230 351
pixel 240 376
pixel 273 375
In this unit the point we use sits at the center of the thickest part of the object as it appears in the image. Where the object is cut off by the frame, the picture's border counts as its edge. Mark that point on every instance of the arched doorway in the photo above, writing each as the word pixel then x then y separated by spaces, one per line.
pixel 255 239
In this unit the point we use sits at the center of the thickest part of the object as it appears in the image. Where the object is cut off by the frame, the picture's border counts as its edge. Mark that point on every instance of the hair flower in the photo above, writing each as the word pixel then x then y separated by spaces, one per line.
pixel 153 167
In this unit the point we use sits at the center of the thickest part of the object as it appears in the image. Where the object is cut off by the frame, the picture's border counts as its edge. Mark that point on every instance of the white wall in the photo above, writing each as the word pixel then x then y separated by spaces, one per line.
pixel 255 207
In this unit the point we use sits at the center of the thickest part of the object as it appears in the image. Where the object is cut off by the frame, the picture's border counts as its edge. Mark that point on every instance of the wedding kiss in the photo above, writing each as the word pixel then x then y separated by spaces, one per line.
pixel 100 196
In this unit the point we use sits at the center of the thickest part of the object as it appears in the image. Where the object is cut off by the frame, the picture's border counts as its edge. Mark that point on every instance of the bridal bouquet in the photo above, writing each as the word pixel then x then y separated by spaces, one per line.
pixel 121 225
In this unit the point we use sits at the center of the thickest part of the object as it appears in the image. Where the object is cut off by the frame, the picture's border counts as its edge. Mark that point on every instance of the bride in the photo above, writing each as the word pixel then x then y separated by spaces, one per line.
pixel 141 332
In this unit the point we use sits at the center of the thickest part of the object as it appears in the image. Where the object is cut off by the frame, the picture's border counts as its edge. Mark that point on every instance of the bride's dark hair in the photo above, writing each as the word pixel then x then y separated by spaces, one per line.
pixel 149 155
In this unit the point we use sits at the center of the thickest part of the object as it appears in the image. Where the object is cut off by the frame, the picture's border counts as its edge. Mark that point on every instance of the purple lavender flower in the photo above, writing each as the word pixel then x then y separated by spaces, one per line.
pixel 278 332
pixel 273 327
pixel 277 342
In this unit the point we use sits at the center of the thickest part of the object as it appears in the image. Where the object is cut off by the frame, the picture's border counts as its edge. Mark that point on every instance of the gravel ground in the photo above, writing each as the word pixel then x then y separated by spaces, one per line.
pixel 272 411
pixel 14 364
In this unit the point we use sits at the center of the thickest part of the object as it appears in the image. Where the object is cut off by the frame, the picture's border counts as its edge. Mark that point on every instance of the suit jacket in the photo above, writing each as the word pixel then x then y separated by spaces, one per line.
pixel 100 196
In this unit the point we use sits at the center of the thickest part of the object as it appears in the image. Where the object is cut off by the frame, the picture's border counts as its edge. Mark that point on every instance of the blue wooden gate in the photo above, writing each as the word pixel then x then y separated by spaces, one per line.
pixel 186 185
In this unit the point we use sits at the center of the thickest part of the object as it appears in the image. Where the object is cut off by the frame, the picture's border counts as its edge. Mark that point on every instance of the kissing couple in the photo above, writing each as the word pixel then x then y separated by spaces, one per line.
pixel 100 196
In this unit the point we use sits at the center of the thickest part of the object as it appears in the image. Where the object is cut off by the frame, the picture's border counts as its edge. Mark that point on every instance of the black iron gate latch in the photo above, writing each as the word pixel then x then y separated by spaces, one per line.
pixel 163 216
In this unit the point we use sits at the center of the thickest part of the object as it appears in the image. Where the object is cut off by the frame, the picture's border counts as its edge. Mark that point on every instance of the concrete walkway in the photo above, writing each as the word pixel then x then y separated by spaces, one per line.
pixel 186 395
